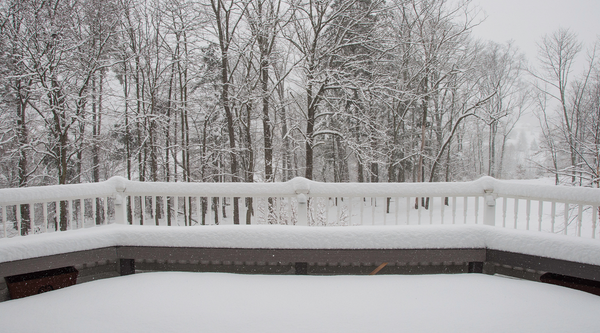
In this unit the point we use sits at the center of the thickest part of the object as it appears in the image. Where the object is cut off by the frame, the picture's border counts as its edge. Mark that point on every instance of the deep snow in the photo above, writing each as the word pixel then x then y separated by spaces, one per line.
pixel 297 237
pixel 212 302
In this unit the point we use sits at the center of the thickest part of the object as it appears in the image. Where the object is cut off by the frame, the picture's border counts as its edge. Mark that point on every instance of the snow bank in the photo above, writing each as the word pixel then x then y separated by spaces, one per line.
pixel 296 237
pixel 211 302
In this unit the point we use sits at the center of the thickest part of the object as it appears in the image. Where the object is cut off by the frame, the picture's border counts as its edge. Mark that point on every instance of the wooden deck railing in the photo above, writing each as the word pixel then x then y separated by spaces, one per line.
pixel 556 209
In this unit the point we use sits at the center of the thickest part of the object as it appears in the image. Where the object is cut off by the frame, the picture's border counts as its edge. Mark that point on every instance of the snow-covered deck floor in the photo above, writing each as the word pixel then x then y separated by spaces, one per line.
pixel 212 302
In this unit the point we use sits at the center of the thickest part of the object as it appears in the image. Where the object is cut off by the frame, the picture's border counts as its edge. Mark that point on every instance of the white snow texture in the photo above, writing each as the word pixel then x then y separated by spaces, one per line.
pixel 298 237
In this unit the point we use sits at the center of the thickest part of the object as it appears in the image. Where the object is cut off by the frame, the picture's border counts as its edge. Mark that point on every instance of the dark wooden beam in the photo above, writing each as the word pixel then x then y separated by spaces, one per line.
pixel 303 255
pixel 544 264
pixel 57 261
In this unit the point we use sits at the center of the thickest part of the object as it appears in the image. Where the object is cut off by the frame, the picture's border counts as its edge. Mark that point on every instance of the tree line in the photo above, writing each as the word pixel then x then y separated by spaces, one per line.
pixel 267 90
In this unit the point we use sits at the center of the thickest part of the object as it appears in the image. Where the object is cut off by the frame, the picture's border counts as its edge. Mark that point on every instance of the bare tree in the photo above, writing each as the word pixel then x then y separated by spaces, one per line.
pixel 557 54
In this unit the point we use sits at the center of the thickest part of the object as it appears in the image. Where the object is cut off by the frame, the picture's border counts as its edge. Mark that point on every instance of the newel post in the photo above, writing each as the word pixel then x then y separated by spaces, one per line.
pixel 489 213
pixel 302 209
pixel 120 204
pixel 302 188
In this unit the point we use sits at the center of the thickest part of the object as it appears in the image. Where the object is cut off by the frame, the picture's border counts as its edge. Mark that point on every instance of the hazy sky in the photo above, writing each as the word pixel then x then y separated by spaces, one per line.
pixel 526 21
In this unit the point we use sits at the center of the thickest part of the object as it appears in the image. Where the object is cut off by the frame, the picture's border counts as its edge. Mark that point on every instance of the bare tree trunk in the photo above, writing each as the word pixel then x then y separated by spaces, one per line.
pixel 225 37
pixel 23 176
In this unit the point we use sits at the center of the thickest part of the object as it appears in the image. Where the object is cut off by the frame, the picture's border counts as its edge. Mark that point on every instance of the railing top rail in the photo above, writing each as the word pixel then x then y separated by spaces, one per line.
pixel 34 194
pixel 583 195
pixel 480 187
pixel 301 185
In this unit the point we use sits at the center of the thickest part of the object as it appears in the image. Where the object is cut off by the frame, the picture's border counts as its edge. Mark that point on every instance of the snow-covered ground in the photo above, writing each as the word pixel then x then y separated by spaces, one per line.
pixel 212 302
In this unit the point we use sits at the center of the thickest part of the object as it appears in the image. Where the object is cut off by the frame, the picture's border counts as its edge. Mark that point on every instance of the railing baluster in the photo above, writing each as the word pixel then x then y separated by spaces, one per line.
pixel 504 212
pixel 373 205
pixel 285 212
pixel 362 210
pixel 302 201
pixel 190 200
pixel 528 212
pixel 516 209
pixel 164 209
pixel 294 206
pixel 579 219
pixel 407 210
pixel 465 203
pixel 338 212
pixel 476 209
pixel 566 217
pixel 209 205
pixel 442 207
pixel 176 210
pixel 185 211
pixel 418 211
pixel 32 217
pixel 81 216
pixel 350 211
pixel 384 209
pixel 94 210
pixel 154 210
pixel 217 211
pixel 190 210
pixel 219 208
pixel 167 204
pixel 279 215
pixel 105 208
pixel 19 220
pixel 430 208
pixel 327 210
pixel 4 222
pixel 44 214
pixel 453 210
pixel 278 210
pixel 70 224
pixel 230 216
pixel 57 215
pixel 199 210
pixel 553 216
pixel 265 210
pixel 287 207
pixel 396 208
pixel 594 220
pixel 143 201
pixel 540 214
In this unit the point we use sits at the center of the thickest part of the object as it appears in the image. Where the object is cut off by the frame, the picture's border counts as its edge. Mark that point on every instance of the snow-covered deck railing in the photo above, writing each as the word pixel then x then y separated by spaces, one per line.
pixel 556 209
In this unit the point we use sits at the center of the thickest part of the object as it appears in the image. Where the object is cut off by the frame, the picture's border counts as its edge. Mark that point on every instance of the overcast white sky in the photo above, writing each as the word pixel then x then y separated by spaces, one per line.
pixel 526 21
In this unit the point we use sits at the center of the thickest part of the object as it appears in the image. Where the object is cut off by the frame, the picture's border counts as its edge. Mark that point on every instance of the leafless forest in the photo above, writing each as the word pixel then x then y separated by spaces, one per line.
pixel 267 90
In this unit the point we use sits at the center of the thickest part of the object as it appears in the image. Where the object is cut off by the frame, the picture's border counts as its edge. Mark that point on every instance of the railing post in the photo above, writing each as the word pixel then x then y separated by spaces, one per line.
pixel 120 205
pixel 126 266
pixel 489 213
pixel 302 209
pixel 301 188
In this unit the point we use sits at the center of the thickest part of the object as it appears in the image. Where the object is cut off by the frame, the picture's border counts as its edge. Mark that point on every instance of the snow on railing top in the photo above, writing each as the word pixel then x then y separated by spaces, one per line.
pixel 480 187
